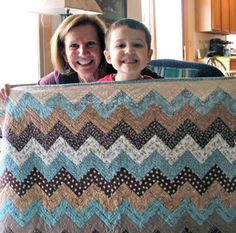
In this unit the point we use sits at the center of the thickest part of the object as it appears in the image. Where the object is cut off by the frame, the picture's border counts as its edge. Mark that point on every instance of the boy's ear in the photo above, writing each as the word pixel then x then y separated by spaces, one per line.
pixel 107 56
pixel 150 54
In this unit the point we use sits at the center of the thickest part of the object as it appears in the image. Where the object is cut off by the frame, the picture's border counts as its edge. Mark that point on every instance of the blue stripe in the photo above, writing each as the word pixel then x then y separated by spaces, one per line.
pixel 111 219
pixel 121 99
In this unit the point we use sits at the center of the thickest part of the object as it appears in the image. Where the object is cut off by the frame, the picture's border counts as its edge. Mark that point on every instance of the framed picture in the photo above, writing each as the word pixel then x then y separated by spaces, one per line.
pixel 112 10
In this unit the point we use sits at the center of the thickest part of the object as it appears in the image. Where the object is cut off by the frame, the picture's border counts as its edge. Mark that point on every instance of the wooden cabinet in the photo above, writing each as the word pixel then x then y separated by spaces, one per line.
pixel 225 19
pixel 213 16
pixel 233 64
pixel 206 15
pixel 232 15
pixel 216 15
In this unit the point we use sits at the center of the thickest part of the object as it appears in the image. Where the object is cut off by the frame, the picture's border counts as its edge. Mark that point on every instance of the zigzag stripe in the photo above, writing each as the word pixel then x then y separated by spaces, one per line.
pixel 122 160
pixel 138 124
pixel 214 224
pixel 199 87
pixel 122 176
pixel 122 129
pixel 121 146
pixel 121 99
pixel 111 219
pixel 171 202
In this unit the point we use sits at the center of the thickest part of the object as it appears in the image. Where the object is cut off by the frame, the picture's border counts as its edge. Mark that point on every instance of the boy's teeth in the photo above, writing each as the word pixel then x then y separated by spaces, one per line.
pixel 130 59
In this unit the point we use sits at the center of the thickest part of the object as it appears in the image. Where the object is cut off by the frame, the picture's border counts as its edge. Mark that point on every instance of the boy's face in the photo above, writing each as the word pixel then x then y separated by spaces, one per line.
pixel 128 51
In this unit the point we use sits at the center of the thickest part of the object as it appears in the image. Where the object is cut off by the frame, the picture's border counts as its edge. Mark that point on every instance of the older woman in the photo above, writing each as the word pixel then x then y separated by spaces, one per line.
pixel 77 51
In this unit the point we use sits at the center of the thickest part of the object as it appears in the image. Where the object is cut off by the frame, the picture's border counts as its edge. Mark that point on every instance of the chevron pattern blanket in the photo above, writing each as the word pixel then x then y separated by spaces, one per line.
pixel 153 156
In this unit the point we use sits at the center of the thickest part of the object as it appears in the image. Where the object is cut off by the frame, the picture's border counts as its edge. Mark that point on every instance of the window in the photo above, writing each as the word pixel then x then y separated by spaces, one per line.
pixel 232 38
pixel 19 44
pixel 164 19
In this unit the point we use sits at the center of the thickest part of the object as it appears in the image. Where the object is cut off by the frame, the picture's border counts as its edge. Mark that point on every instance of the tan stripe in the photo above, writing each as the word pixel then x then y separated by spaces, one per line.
pixel 105 92
pixel 123 192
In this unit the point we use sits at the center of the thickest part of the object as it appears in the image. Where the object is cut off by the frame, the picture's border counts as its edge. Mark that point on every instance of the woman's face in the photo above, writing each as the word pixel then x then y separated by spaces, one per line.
pixel 83 52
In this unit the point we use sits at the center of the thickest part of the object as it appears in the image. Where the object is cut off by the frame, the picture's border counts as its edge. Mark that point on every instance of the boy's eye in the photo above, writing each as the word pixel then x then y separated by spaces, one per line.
pixel 138 45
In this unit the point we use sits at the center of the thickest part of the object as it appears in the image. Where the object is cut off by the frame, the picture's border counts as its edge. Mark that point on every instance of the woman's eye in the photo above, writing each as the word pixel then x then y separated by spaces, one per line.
pixel 90 44
pixel 74 46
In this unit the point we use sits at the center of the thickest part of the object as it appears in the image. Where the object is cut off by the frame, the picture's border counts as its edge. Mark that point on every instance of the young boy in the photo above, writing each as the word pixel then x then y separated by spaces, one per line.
pixel 128 49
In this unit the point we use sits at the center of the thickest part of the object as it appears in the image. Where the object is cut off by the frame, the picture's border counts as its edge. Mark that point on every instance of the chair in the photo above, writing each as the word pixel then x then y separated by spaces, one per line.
pixel 214 61
pixel 204 70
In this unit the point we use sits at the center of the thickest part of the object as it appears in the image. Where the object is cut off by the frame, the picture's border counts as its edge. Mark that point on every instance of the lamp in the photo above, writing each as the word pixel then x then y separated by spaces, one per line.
pixel 64 7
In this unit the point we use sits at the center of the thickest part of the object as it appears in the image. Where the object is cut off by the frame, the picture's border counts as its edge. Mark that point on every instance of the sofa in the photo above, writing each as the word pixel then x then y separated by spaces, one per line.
pixel 171 68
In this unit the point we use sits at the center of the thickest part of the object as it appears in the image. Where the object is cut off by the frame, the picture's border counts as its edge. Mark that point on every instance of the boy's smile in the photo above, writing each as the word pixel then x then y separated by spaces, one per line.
pixel 128 51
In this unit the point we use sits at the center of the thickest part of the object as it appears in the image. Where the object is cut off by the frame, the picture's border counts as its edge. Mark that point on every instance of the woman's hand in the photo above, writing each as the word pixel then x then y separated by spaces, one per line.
pixel 4 91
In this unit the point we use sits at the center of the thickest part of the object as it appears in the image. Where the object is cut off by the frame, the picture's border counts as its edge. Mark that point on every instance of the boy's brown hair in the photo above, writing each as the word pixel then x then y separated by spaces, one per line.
pixel 131 23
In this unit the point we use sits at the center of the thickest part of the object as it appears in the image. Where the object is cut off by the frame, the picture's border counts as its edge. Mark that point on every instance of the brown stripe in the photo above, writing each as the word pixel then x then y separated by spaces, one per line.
pixel 138 124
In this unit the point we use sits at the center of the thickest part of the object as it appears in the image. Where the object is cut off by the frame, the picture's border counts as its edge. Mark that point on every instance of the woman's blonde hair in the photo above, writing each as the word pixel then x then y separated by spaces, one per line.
pixel 58 38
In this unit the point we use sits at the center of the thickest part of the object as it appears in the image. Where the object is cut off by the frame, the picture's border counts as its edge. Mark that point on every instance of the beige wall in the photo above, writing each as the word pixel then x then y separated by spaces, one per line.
pixel 134 9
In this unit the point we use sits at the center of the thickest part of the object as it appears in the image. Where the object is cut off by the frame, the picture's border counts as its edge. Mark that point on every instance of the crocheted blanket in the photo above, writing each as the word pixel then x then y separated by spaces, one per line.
pixel 138 157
